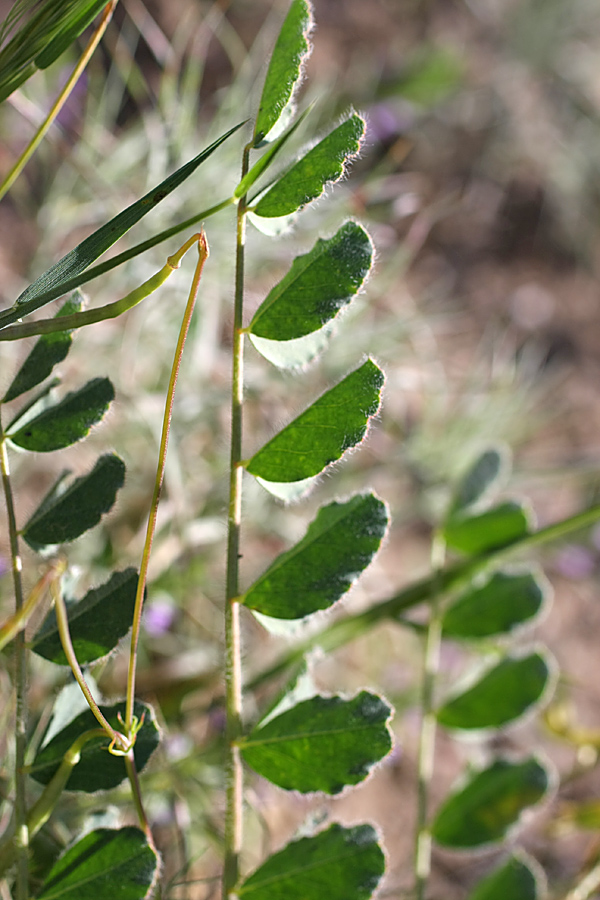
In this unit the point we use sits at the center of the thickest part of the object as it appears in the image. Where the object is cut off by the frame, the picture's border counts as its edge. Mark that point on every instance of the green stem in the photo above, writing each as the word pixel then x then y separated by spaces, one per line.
pixel 233 676
pixel 21 831
pixel 62 98
pixel 200 239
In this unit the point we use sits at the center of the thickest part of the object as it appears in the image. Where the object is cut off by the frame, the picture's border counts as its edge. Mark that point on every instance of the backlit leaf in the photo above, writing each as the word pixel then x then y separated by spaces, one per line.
pixel 97 770
pixel 316 287
pixel 335 422
pixel 504 602
pixel 105 863
pixel 502 695
pixel 96 623
pixel 48 351
pixel 306 180
pixel 493 800
pixel 515 880
pixel 337 864
pixel 337 547
pixel 68 421
pixel 293 354
pixel 285 68
pixel 62 517
pixel 322 744
pixel 489 530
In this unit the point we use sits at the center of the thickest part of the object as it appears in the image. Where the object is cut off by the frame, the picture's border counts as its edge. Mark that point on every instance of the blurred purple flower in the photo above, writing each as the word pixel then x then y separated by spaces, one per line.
pixel 158 617
pixel 3 566
pixel 575 562
pixel 387 121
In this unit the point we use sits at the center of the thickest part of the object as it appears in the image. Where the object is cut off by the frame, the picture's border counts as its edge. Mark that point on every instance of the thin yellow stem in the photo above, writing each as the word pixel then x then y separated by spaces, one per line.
pixel 62 98
pixel 19 620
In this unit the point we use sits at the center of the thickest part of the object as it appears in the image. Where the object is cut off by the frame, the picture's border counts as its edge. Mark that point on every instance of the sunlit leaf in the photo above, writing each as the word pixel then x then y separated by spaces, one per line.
pixel 105 863
pixel 506 601
pixel 62 517
pixel 492 801
pixel 516 880
pixel 481 478
pixel 322 744
pixel 96 623
pixel 335 422
pixel 306 180
pixel 285 68
pixel 316 287
pixel 97 770
pixel 502 695
pixel 337 864
pixel 47 352
pixel 493 528
pixel 68 421
pixel 337 547
pixel 264 162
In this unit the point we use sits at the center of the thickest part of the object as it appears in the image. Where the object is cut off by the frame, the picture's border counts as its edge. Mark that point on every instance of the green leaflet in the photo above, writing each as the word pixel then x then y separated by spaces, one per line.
pixel 285 68
pixel 494 528
pixel 492 801
pixel 104 863
pixel 60 277
pixel 68 421
pixel 337 547
pixel 321 744
pixel 306 179
pixel 480 480
pixel 503 694
pixel 317 286
pixel 96 623
pixel 504 602
pixel 337 864
pixel 97 770
pixel 47 352
pixel 62 517
pixel 515 880
pixel 263 162
pixel 335 422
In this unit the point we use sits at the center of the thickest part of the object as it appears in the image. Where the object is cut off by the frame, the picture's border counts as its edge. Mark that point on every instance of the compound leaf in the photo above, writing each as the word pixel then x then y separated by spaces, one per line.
pixel 97 769
pixel 339 544
pixel 105 863
pixel 316 287
pixel 492 801
pixel 285 68
pixel 306 179
pixel 68 421
pixel 515 879
pixel 503 524
pixel 337 863
pixel 504 602
pixel 96 623
pixel 62 517
pixel 502 695
pixel 336 421
pixel 321 744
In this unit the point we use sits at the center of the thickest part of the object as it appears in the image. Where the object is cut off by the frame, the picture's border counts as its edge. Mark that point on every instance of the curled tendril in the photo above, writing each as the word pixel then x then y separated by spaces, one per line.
pixel 126 742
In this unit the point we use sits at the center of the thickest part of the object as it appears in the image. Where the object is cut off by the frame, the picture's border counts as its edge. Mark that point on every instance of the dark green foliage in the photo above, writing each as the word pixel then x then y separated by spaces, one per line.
pixel 493 528
pixel 504 602
pixel 514 880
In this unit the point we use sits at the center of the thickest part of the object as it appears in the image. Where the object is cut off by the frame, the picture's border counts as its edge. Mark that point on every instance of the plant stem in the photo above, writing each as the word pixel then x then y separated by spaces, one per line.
pixel 160 471
pixel 233 676
pixel 62 98
pixel 19 620
pixel 21 831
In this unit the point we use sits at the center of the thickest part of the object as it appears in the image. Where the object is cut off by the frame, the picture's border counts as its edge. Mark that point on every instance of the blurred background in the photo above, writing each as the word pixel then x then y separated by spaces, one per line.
pixel 480 184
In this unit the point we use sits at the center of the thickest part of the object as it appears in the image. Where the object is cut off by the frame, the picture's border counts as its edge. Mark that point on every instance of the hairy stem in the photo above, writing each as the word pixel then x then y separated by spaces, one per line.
pixel 233 676
pixel 20 682
pixel 62 98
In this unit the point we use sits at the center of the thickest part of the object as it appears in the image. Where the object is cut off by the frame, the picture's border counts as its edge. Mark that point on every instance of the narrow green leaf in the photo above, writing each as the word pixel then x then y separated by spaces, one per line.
pixel 515 880
pixel 285 68
pixel 104 863
pixel 62 517
pixel 492 801
pixel 263 163
pixel 97 770
pixel 338 546
pixel 480 480
pixel 503 694
pixel 47 352
pixel 96 623
pixel 338 863
pixel 318 285
pixel 335 422
pixel 504 602
pixel 51 284
pixel 322 744
pixel 489 530
pixel 306 180
pixel 70 30
pixel 69 421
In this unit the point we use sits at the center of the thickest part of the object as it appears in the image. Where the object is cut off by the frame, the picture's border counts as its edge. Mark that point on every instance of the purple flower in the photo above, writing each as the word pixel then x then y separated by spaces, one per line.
pixel 158 617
